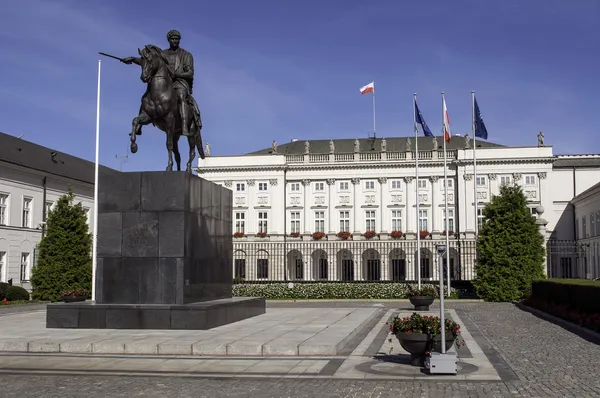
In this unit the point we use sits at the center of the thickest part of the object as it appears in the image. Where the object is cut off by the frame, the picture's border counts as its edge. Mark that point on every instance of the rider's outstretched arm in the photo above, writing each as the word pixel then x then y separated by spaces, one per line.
pixel 132 60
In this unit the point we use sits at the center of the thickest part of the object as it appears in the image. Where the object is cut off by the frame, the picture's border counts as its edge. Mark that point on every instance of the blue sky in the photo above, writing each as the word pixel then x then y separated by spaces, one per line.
pixel 282 69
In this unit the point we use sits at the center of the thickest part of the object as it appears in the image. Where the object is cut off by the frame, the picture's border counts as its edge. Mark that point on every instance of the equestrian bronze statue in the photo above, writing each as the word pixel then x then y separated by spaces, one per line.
pixel 168 103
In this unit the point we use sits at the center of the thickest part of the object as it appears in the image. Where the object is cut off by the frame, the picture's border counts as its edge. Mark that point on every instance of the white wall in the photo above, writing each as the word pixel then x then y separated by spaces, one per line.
pixel 530 167
pixel 18 183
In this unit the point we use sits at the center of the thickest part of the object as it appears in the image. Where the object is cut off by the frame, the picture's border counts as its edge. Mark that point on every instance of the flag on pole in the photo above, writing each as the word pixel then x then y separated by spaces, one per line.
pixel 480 129
pixel 419 119
pixel 447 134
pixel 369 88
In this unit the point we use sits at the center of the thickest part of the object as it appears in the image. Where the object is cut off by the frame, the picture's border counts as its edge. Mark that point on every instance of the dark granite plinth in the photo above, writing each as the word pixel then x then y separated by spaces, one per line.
pixel 163 238
pixel 194 316
pixel 165 257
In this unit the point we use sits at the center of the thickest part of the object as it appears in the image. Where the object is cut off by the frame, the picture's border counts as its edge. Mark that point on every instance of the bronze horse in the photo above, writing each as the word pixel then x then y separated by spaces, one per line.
pixel 159 107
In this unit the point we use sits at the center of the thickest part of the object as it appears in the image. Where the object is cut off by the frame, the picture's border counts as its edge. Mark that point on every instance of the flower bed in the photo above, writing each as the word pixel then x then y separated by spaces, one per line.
pixel 304 291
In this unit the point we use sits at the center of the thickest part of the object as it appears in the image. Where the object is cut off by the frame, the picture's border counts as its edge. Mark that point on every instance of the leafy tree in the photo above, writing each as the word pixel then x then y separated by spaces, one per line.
pixel 510 248
pixel 64 261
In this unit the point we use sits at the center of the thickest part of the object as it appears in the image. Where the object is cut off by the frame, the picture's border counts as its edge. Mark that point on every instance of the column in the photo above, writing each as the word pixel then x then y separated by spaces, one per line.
pixel 331 184
pixel 252 221
pixel 435 198
pixel 542 189
pixel 410 204
pixel 355 183
pixel 276 216
pixel 466 197
pixel 306 184
pixel 382 193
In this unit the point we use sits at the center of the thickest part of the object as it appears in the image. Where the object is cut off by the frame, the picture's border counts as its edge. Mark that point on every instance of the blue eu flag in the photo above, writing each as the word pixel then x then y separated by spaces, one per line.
pixel 480 130
pixel 419 118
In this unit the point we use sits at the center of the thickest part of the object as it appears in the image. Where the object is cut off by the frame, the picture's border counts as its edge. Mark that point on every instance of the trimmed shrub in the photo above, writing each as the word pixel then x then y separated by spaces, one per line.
pixel 3 289
pixel 510 248
pixel 15 293
pixel 575 294
pixel 65 261
pixel 325 291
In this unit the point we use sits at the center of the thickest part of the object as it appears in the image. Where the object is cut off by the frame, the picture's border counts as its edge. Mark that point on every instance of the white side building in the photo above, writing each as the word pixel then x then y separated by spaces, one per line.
pixel 32 178
pixel 285 194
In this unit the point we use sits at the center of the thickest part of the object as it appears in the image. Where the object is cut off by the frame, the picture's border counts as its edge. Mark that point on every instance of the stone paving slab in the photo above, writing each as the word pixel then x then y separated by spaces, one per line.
pixel 280 331
pixel 369 354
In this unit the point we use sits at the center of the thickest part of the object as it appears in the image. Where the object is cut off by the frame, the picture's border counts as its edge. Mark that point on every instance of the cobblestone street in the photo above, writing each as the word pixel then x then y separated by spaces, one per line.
pixel 544 360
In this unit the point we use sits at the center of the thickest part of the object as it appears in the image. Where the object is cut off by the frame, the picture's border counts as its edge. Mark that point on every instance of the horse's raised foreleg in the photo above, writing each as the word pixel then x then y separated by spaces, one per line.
pixel 136 127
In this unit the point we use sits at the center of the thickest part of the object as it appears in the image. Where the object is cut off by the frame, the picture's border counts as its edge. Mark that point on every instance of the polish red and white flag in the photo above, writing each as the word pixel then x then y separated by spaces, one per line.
pixel 369 88
pixel 446 122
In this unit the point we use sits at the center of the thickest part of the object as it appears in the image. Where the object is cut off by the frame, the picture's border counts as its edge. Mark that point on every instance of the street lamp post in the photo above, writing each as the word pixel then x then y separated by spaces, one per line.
pixel 444 362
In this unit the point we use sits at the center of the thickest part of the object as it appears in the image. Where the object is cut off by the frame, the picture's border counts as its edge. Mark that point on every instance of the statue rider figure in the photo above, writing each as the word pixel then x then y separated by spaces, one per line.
pixel 181 68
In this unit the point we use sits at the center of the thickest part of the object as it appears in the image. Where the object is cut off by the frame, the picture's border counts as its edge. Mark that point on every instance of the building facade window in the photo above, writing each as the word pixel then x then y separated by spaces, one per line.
pixel 27 205
pixel 319 221
pixel 423 220
pixel 240 222
pixel 344 221
pixel 583 228
pixel 3 209
pixel 344 186
pixel 481 181
pixel 295 187
pixel 450 226
pixel 263 218
pixel 48 208
pixel 505 180
pixel 263 186
pixel 449 182
pixel 370 220
pixel 319 186
pixel 422 184
pixel 396 185
pixel 396 220
pixel 480 217
pixel 240 187
pixel 369 185
pixel 3 267
pixel 25 267
pixel 295 222
pixel 530 180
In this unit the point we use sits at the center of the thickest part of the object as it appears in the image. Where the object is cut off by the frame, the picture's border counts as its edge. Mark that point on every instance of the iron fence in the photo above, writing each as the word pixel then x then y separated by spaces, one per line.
pixel 349 260
pixel 573 259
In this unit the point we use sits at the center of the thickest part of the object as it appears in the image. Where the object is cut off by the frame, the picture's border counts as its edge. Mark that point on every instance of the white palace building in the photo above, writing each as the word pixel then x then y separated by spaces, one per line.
pixel 346 209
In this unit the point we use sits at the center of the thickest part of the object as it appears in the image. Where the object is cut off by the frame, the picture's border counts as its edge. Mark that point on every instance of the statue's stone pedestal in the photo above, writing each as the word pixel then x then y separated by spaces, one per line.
pixel 164 257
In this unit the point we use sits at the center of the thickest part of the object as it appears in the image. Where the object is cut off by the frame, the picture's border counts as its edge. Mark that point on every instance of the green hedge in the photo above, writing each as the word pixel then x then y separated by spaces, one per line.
pixel 12 293
pixel 577 294
pixel 305 291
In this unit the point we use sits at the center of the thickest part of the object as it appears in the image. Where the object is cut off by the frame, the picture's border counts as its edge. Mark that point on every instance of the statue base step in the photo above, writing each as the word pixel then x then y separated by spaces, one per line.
pixel 193 316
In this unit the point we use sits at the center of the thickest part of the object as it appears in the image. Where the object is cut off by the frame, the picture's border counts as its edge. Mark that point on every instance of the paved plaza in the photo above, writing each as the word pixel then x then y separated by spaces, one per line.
pixel 508 352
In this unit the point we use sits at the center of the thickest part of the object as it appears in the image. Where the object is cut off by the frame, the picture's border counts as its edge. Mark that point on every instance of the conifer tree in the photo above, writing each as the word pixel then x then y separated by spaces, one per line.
pixel 510 248
pixel 64 261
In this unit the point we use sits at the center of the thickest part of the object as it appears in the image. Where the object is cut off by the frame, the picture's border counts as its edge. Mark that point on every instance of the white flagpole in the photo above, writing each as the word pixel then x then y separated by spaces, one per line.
pixel 417 189
pixel 474 162
pixel 95 234
pixel 446 193
pixel 374 127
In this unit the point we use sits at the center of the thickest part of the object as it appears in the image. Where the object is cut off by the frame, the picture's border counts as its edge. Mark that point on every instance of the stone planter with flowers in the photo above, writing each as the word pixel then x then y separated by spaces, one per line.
pixel 419 335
